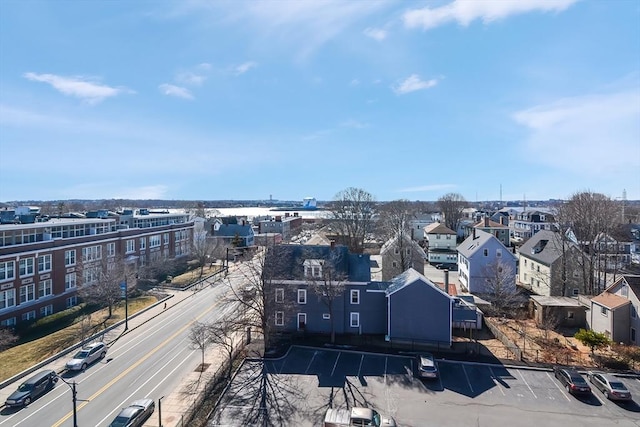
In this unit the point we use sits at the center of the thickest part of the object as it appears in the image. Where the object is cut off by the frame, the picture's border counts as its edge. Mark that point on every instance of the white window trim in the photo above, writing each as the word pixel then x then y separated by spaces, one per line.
pixel 279 314
pixel 300 315
pixel 355 292
pixel 355 324
pixel 304 293
pixel 326 316
pixel 279 295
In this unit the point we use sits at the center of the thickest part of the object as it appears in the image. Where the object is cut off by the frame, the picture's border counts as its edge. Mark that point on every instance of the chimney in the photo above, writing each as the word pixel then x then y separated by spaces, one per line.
pixel 333 244
pixel 446 281
pixel 486 221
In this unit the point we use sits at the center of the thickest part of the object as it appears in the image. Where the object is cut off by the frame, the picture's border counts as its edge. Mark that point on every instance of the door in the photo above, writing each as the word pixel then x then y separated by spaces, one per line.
pixel 302 321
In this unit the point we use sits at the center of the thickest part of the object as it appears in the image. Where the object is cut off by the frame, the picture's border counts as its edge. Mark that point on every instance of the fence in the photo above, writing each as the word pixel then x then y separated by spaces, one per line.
pixel 504 339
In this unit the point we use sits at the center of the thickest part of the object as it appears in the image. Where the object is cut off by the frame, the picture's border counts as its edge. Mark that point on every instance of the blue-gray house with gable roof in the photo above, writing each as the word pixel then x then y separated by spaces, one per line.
pixel 409 308
pixel 240 235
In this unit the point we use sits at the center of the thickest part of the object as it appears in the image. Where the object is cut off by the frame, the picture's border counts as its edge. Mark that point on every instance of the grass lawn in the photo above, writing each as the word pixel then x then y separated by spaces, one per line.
pixel 193 275
pixel 21 357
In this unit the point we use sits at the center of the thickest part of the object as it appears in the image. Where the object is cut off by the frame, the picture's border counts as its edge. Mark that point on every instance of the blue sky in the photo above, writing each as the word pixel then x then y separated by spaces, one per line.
pixel 207 100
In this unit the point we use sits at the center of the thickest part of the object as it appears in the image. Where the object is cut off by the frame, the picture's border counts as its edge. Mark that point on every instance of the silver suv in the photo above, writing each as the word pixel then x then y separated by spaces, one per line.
pixel 87 356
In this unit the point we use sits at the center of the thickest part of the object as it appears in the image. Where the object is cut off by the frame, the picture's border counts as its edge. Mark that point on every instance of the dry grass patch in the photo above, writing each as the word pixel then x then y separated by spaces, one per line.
pixel 18 358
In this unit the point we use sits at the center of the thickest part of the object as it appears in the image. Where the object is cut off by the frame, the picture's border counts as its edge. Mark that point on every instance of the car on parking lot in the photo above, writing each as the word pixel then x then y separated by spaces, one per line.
pixel 572 380
pixel 135 414
pixel 87 356
pixel 426 366
pixel 32 388
pixel 609 385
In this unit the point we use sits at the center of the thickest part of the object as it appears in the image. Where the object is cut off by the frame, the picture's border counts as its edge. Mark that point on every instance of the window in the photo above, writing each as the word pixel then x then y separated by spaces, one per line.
pixel 70 281
pixel 576 292
pixel 45 288
pixel 354 319
pixel 111 249
pixel 8 322
pixel 131 246
pixel 29 315
pixel 72 301
pixel 279 318
pixel 569 314
pixel 44 263
pixel 408 251
pixel 532 267
pixel 154 241
pixel 302 296
pixel 326 316
pixel 634 312
pixel 538 268
pixel 355 297
pixel 394 264
pixel 313 267
pixel 47 310
pixel 165 238
pixel 525 262
pixel 499 253
pixel 143 243
pixel 27 293
pixel 70 257
pixel 91 253
pixel 26 267
pixel 485 252
pixel 7 298
pixel 302 321
pixel 90 275
pixel 604 311
pixel 279 295
pixel 396 251
pixel 7 270
pixel 633 335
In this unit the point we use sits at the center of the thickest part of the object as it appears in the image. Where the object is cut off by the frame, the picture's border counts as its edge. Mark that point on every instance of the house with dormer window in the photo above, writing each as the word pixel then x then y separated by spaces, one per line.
pixel 614 312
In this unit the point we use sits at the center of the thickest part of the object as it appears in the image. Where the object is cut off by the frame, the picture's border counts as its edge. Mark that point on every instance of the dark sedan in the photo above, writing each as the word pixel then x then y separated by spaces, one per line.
pixel 572 380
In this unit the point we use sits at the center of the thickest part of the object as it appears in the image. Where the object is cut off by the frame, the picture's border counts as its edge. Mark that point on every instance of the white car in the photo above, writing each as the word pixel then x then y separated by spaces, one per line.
pixel 87 356
pixel 135 414
pixel 610 386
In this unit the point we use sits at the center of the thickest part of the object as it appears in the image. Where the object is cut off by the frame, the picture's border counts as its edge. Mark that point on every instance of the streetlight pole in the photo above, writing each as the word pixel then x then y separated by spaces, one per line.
pixel 74 397
pixel 126 305
pixel 160 411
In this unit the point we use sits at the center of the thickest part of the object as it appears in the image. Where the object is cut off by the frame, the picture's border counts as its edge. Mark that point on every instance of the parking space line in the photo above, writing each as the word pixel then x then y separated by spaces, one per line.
pixel 555 383
pixel 467 377
pixel 310 362
pixel 335 364
pixel 495 380
pixel 360 367
pixel 527 384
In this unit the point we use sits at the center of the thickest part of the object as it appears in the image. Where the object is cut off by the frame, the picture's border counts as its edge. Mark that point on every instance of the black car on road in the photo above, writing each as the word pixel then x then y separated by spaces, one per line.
pixel 32 388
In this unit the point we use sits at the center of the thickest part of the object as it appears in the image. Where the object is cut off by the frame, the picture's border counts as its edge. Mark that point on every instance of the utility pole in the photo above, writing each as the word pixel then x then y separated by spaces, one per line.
pixel 160 411
pixel 74 398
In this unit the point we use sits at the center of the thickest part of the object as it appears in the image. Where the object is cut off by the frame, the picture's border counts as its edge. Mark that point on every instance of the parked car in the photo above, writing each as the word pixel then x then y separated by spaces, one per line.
pixel 609 385
pixel 32 388
pixel 426 366
pixel 135 414
pixel 572 380
pixel 87 356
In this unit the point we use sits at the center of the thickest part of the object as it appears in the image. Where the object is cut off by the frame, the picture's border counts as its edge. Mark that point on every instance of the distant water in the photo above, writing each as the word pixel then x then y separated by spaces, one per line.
pixel 251 212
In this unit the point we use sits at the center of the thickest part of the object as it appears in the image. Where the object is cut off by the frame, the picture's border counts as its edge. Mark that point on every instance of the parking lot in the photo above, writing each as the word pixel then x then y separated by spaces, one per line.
pixel 298 388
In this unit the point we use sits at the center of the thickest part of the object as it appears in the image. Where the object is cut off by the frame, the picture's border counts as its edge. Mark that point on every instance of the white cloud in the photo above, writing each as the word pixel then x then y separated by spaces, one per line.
pixel 430 187
pixel 79 87
pixel 173 90
pixel 598 133
pixel 413 83
pixel 354 82
pixel 243 68
pixel 354 124
pixel 465 11
pixel 190 78
pixel 375 33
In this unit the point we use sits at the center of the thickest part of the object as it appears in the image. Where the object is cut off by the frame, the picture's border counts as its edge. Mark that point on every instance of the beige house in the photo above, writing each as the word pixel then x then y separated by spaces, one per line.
pixel 615 311
pixel 441 244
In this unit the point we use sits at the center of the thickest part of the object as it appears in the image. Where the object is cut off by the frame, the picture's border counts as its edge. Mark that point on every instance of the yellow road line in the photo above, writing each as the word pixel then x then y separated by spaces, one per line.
pixel 119 377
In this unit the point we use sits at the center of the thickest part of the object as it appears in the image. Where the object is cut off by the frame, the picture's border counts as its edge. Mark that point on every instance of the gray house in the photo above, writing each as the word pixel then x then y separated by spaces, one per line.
pixel 418 310
pixel 239 235
pixel 315 289
pixel 399 254
pixel 481 255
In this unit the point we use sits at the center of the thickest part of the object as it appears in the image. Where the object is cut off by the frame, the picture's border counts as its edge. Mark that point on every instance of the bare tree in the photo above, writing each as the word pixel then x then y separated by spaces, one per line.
pixel 224 333
pixel 551 319
pixel 256 294
pixel 394 218
pixel 451 205
pixel 7 338
pixel 329 286
pixel 590 215
pixel 199 339
pixel 101 280
pixel 500 288
pixel 204 250
pixel 352 212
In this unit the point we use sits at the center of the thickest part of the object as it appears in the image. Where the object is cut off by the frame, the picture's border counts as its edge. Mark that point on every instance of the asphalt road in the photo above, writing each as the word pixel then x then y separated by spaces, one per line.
pixel 297 390
pixel 149 361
